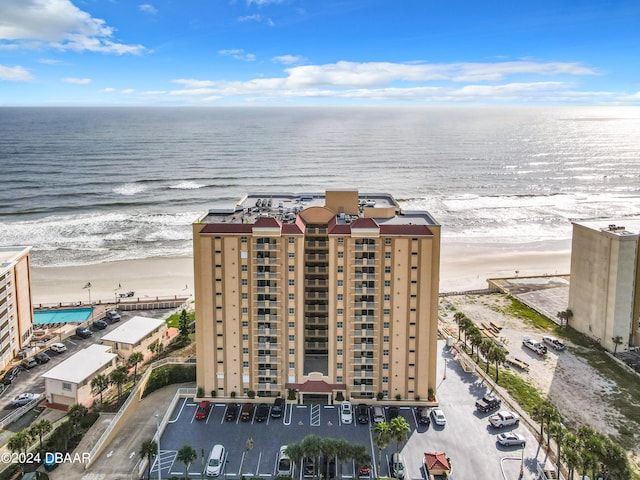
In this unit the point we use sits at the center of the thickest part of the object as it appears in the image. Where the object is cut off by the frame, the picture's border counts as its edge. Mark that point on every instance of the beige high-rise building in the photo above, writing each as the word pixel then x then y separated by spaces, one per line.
pixel 16 314
pixel 317 293
pixel 604 293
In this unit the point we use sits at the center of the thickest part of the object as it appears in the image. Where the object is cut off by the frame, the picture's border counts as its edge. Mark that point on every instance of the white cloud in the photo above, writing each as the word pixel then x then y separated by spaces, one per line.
pixel 148 8
pixel 238 54
pixel 128 91
pixel 190 83
pixel 108 90
pixel 57 23
pixel 257 18
pixel 154 92
pixel 49 61
pixel 15 74
pixel 77 81
pixel 288 59
pixel 264 2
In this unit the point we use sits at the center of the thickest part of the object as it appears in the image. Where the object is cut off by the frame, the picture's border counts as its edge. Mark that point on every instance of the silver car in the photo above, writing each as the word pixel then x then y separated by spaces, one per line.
pixel 510 439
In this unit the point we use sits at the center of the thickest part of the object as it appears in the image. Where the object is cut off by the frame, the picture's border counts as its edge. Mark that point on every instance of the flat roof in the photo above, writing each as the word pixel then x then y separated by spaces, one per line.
pixel 10 255
pixel 620 227
pixel 133 330
pixel 285 208
pixel 82 364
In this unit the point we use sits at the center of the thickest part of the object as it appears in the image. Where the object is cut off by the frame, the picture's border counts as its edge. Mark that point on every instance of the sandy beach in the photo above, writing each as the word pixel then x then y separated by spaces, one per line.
pixel 464 266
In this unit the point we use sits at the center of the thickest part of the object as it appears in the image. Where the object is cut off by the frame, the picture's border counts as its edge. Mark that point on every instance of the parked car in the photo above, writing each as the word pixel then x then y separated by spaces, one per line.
pixel 437 415
pixel 504 418
pixel 510 439
pixel 29 363
pixel 262 412
pixel 422 414
pixel 393 412
pixel 232 412
pixel 100 324
pixel 246 412
pixel 83 332
pixel 112 316
pixel 377 412
pixel 362 413
pixel 554 342
pixel 327 469
pixel 58 347
pixel 488 403
pixel 10 376
pixel 309 467
pixel 277 408
pixel 397 466
pixel 203 410
pixel 42 357
pixel 217 458
pixel 24 398
pixel 364 471
pixel 534 345
pixel 346 413
pixel 285 465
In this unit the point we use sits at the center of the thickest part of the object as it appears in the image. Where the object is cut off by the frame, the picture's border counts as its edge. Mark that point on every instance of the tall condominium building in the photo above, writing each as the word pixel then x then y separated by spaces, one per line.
pixel 604 294
pixel 16 314
pixel 317 293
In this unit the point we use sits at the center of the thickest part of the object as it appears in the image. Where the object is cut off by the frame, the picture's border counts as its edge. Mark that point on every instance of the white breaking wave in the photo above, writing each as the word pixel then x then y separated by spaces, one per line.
pixel 129 189
pixel 187 186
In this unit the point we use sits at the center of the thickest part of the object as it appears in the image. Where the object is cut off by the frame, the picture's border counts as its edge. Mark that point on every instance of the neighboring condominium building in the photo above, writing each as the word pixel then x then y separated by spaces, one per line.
pixel 317 293
pixel 604 294
pixel 16 314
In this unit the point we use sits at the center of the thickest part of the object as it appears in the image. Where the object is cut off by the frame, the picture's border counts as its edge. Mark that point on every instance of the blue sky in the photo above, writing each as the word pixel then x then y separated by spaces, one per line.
pixel 319 52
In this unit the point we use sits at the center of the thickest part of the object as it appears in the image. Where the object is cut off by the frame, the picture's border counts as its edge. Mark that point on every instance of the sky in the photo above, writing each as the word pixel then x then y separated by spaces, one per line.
pixel 319 52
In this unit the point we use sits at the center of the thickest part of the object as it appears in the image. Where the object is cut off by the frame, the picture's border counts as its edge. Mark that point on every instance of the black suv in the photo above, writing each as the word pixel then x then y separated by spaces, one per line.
pixel 112 316
pixel 99 325
pixel 262 412
pixel 42 357
pixel 10 376
pixel 362 413
pixel 83 332
pixel 278 406
pixel 232 412
pixel 422 413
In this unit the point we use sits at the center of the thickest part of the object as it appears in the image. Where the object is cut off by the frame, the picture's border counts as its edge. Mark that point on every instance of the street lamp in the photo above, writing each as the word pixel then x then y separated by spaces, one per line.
pixel 158 443
pixel 88 287
pixel 522 464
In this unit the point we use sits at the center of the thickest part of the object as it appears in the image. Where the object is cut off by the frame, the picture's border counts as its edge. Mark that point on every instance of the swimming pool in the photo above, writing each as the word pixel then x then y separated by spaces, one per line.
pixel 68 315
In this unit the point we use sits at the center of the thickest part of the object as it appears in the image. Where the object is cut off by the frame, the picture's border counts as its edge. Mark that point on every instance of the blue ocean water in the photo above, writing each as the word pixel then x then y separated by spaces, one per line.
pixel 86 185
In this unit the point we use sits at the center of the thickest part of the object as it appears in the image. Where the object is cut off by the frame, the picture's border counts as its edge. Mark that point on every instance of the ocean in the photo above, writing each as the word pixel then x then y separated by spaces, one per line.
pixel 89 185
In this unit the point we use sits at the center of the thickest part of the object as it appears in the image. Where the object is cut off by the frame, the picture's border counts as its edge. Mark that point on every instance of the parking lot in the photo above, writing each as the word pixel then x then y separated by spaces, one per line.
pixel 466 438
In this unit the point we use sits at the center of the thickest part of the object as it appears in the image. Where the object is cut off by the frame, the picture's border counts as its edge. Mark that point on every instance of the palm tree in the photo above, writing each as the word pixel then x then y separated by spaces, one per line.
pixel 381 437
pixel 100 383
pixel 459 317
pixel 485 348
pixel 295 453
pixel 329 448
pixel 312 447
pixel 551 414
pixel 558 432
pixel 19 443
pixel 399 430
pixel 118 376
pixel 475 338
pixel 40 428
pixel 617 340
pixel 76 413
pixel 538 414
pixel 344 451
pixel 571 452
pixel 134 359
pixel 360 455
pixel 187 456
pixel 149 449
pixel 498 355
pixel 466 325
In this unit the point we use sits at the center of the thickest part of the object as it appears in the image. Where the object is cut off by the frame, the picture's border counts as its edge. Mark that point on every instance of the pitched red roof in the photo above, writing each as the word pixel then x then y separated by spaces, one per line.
pixel 364 223
pixel 335 228
pixel 291 229
pixel 221 228
pixel 263 222
pixel 436 461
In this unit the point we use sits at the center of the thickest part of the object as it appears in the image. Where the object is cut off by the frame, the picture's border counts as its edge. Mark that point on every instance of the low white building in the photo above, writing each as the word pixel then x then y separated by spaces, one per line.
pixel 135 335
pixel 70 381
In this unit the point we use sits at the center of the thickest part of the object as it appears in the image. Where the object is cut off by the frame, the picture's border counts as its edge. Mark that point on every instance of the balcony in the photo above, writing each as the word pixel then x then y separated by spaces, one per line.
pixel 364 304
pixel 369 333
pixel 316 295
pixel 272 317
pixel 316 244
pixel 267 275
pixel 316 308
pixel 267 331
pixel 369 262
pixel 267 304
pixel 316 345
pixel 266 246
pixel 319 283
pixel 365 247
pixel 363 361
pixel 267 261
pixel 358 374
pixel 316 270
pixel 316 321
pixel 269 289
pixel 316 257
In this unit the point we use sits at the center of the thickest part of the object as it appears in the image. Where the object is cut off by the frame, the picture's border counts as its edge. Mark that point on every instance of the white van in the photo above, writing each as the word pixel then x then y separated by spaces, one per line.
pixel 378 414
pixel 216 461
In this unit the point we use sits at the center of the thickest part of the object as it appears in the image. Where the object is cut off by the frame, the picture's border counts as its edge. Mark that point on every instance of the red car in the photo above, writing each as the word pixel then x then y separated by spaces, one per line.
pixel 203 410
pixel 364 471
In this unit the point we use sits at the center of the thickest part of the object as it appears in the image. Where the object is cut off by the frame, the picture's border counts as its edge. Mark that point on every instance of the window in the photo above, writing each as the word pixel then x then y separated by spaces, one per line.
pixel 387 283
pixel 340 254
pixel 340 297
pixel 292 364
pixel 414 267
pixel 292 268
pixel 292 283
pixel 413 295
pixel 385 366
pixel 245 310
pixel 339 365
pixel 245 336
pixel 245 296
pixel 386 325
pixel 243 239
pixel 414 253
pixel 292 311
pixel 292 351
pixel 387 269
pixel 340 269
pixel 340 241
pixel 292 296
pixel 341 283
pixel 339 324
pixel 387 297
pixel 339 352
pixel 414 281
pixel 218 294
pixel 245 364
pixel 385 353
pixel 385 379
pixel 386 311
pixel 245 350
pixel 292 254
pixel 66 386
pixel 245 282
pixel 387 241
pixel 340 311
pixel 339 378
pixel 292 240
pixel 387 254
pixel 218 251
pixel 292 324
pixel 385 338
pixel 292 338
pixel 244 268
pixel 218 265
pixel 339 338
pixel 218 279
pixel 413 309
pixel 245 323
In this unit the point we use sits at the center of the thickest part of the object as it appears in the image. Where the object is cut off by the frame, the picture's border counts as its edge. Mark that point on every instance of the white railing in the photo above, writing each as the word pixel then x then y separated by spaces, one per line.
pixel 13 416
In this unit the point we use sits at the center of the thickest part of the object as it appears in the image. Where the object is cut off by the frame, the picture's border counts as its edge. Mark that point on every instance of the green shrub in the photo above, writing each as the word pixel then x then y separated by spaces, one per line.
pixel 251 394
pixel 233 394
pixel 291 394
pixel 379 396
pixel 398 397
pixel 200 392
pixel 169 374
pixel 214 393
pixel 339 397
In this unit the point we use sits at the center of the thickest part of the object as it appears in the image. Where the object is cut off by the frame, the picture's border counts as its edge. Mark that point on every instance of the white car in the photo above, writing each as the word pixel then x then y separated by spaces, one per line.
pixel 24 398
pixel 346 412
pixel 504 419
pixel 285 465
pixel 58 347
pixel 510 439
pixel 437 416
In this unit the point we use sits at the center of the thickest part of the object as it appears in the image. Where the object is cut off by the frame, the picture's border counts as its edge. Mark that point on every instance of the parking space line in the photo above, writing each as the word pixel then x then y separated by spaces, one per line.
pixel 287 408
pixel 184 402
pixel 315 415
